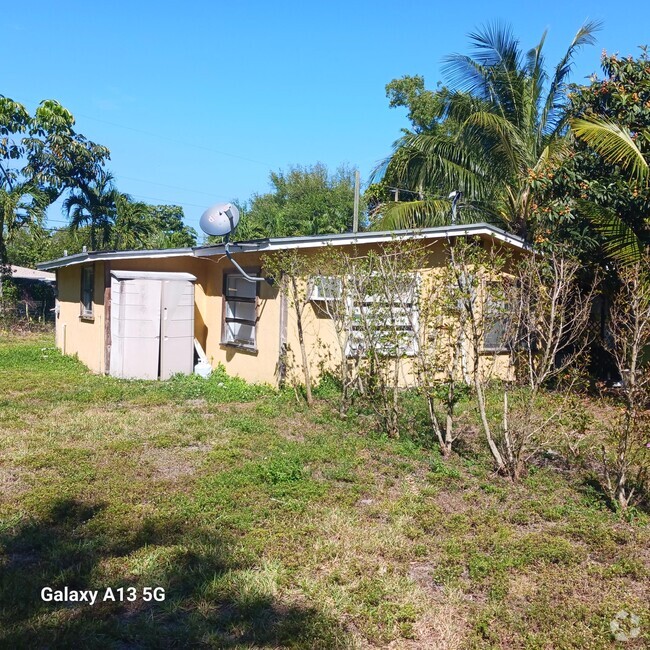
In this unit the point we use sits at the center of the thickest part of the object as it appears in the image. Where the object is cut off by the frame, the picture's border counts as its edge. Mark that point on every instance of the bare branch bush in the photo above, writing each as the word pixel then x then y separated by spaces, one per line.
pixel 439 354
pixel 476 272
pixel 530 316
pixel 626 459
pixel 290 270
pixel 332 281
pixel 373 305
pixel 383 294
pixel 547 335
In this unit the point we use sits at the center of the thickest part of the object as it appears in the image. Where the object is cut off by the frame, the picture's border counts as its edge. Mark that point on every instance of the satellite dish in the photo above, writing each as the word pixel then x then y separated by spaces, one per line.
pixel 219 219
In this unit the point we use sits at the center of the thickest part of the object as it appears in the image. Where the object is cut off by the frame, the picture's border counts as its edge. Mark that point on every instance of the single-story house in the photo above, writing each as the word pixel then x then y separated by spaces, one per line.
pixel 139 313
pixel 36 289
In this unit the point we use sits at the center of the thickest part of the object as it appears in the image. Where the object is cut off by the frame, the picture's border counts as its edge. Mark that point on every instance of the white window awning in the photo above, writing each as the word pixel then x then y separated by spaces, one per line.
pixel 153 275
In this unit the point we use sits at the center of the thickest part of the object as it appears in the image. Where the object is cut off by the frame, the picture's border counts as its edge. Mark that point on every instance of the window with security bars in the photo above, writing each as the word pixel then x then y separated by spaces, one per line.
pixel 240 312
pixel 87 291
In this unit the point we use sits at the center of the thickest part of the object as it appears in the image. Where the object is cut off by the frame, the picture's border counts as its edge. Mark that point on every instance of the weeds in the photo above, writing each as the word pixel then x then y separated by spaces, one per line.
pixel 269 525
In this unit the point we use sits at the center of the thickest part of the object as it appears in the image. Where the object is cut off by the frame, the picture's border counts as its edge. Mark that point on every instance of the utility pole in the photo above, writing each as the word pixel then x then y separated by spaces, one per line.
pixel 355 219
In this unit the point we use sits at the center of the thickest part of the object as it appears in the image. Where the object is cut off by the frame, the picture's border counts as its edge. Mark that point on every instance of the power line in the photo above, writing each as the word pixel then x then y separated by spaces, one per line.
pixel 168 139
pixel 425 195
pixel 174 140
pixel 156 198
pixel 172 187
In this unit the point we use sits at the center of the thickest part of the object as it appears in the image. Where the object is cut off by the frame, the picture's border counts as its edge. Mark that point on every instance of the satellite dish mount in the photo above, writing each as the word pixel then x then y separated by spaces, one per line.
pixel 220 220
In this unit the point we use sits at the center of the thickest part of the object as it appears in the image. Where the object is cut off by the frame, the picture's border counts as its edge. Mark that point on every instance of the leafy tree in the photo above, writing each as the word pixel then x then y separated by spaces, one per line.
pixel 20 203
pixel 31 245
pixel 303 201
pixel 124 223
pixel 41 156
pixel 167 227
pixel 135 225
pixel 501 121
pixel 422 104
pixel 608 175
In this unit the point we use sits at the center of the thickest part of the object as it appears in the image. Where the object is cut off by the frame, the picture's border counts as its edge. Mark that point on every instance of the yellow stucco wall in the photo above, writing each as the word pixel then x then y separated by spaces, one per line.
pixel 87 339
pixel 75 335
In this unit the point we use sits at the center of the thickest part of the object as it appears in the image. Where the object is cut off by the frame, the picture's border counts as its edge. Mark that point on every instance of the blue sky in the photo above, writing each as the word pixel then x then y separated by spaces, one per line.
pixel 198 101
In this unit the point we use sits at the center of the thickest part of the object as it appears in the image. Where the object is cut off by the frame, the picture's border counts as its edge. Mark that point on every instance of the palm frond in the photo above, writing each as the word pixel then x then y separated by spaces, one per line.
pixel 621 242
pixel 614 144
pixel 550 122
pixel 495 45
pixel 537 78
pixel 506 140
pixel 414 214
pixel 552 155
pixel 465 75
pixel 442 163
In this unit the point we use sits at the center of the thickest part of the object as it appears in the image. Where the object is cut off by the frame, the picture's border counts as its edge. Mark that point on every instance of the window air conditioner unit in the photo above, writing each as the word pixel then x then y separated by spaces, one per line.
pixel 325 289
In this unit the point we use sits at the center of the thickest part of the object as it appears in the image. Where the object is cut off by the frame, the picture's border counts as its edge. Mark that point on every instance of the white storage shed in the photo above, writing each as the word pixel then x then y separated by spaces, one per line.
pixel 152 324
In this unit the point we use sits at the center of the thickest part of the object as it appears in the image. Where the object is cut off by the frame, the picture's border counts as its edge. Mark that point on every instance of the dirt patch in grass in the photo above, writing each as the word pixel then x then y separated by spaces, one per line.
pixel 168 464
pixel 443 626
pixel 173 463
pixel 422 574
pixel 12 483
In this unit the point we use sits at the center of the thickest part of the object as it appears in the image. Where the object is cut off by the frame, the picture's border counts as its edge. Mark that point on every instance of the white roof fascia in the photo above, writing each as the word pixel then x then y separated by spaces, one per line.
pixel 82 258
pixel 25 273
pixel 365 238
pixel 301 242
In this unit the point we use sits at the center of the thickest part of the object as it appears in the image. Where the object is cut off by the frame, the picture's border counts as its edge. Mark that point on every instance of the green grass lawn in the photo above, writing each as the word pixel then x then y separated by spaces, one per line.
pixel 271 525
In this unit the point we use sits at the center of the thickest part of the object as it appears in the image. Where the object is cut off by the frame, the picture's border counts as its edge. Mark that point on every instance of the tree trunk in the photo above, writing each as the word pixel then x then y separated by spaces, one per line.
pixel 480 398
pixel 301 340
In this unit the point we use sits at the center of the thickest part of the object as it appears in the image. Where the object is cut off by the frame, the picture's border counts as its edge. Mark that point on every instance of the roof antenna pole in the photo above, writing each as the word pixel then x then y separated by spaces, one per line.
pixel 355 219
pixel 455 197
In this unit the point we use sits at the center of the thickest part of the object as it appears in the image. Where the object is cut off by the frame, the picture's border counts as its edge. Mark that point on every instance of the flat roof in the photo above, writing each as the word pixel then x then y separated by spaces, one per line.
pixel 100 256
pixel 311 241
pixel 366 237
pixel 24 273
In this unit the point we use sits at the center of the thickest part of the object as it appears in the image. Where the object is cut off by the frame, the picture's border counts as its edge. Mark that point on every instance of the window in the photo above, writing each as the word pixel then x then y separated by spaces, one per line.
pixel 240 311
pixel 495 322
pixel 382 317
pixel 87 291
pixel 387 319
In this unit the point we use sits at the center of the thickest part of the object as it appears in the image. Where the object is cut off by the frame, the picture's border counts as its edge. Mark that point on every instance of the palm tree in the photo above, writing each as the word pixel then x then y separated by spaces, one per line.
pixel 94 204
pixel 132 227
pixel 617 146
pixel 500 125
pixel 21 203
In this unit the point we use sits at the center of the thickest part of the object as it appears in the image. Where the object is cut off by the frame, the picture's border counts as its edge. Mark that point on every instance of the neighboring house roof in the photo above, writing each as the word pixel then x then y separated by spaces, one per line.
pixel 23 273
pixel 312 241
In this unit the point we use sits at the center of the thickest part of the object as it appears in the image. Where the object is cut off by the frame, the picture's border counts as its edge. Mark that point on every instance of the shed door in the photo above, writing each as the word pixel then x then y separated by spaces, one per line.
pixel 177 328
pixel 135 328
